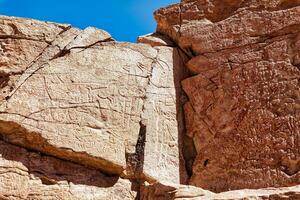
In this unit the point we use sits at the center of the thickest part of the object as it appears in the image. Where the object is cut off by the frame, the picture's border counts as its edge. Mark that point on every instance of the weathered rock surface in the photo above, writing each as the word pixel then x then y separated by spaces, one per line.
pixel 163 118
pixel 243 108
pixel 211 100
pixel 84 103
pixel 21 43
pixel 80 106
pixel 167 191
pixel 29 175
pixel 88 99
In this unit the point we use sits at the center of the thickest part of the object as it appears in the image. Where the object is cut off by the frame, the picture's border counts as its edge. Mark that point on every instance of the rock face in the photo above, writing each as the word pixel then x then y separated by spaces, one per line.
pixel 29 175
pixel 74 103
pixel 163 117
pixel 210 100
pixel 243 108
pixel 82 97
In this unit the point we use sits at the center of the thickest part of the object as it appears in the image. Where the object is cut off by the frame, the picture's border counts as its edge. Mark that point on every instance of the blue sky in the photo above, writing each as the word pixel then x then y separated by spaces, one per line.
pixel 124 19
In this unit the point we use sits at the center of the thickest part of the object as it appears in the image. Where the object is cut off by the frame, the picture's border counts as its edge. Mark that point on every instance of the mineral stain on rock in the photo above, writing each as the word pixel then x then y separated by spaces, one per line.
pixel 209 103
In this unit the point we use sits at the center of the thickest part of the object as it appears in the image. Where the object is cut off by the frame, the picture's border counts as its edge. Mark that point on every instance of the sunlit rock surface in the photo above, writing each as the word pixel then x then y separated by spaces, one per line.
pixel 205 108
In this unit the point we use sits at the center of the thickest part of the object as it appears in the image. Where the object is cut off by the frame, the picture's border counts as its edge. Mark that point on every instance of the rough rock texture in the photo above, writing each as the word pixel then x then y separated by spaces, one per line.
pixel 165 191
pixel 22 41
pixel 211 99
pixel 82 97
pixel 163 118
pixel 169 191
pixel 73 105
pixel 29 175
pixel 243 108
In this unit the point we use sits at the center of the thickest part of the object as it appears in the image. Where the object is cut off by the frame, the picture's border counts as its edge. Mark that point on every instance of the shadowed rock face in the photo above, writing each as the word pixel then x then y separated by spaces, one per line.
pixel 243 108
pixel 210 100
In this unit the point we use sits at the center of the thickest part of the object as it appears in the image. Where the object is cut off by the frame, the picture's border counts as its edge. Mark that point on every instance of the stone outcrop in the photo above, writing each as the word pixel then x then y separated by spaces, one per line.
pixel 207 104
pixel 86 98
pixel 82 97
pixel 243 108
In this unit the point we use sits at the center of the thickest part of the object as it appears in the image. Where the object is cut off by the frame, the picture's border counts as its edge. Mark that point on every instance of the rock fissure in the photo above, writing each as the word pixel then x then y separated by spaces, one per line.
pixel 135 160
pixel 35 60
pixel 229 77
pixel 211 100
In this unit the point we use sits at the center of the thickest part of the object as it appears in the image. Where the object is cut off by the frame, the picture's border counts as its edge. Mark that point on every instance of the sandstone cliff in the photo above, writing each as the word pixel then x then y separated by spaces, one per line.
pixel 207 104
pixel 243 108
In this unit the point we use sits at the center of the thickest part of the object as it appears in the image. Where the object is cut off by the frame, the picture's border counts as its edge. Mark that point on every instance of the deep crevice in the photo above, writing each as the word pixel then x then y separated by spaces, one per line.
pixel 290 167
pixel 206 162
pixel 4 78
pixel 135 161
pixel 140 148
pixel 189 154
pixel 60 54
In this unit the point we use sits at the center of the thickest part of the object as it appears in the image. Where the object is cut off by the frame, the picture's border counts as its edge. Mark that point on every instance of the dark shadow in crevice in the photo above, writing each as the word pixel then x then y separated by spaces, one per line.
pixel 135 162
pixel 140 148
pixel 290 167
pixel 51 170
pixel 185 144
pixel 136 186
pixel 4 78
pixel 287 4
pixel 206 162
pixel 189 154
